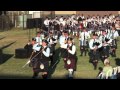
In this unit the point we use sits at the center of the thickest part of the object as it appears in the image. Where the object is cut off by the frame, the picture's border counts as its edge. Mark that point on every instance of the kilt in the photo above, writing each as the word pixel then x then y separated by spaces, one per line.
pixel 94 55
pixel 52 49
pixel 87 44
pixel 105 51
pixel 35 63
pixel 83 48
pixel 72 65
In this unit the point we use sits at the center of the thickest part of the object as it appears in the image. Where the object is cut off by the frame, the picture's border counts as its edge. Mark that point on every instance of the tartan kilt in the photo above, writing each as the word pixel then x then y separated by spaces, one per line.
pixel 94 55
pixel 72 65
pixel 86 46
pixel 35 63
pixel 105 51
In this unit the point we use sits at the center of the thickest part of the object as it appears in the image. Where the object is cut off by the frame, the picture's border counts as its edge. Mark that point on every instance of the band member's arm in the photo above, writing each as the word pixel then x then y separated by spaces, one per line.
pixel 47 52
pixel 116 34
pixel 91 44
pixel 73 50
pixel 62 41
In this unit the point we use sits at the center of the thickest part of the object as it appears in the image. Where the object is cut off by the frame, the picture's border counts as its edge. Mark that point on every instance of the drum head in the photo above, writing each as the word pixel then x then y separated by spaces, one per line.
pixel 41 66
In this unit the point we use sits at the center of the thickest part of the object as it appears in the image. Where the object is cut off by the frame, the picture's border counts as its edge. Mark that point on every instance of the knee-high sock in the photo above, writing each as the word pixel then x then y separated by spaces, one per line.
pixel 70 72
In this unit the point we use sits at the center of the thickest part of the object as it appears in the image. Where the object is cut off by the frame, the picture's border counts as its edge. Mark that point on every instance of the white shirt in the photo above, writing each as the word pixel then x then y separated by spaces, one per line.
pixel 102 38
pixel 38 40
pixel 87 35
pixel 91 44
pixel 36 47
pixel 61 20
pixel 62 39
pixel 70 51
pixel 46 22
pixel 42 36
pixel 47 52
pixel 114 34
pixel 85 23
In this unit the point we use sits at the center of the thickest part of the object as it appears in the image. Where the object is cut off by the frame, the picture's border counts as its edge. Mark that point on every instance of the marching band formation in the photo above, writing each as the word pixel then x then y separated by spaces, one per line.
pixel 97 37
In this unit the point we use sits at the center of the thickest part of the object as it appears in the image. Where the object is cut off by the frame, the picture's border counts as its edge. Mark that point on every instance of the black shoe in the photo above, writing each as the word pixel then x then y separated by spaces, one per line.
pixel 70 77
pixel 34 77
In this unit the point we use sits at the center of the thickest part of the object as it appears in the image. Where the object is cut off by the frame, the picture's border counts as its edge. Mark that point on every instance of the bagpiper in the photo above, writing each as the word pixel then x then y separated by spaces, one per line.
pixel 84 36
pixel 39 59
pixel 70 60
pixel 94 45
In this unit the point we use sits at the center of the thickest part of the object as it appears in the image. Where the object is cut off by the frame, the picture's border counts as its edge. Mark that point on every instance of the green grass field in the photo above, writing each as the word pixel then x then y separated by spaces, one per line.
pixel 11 67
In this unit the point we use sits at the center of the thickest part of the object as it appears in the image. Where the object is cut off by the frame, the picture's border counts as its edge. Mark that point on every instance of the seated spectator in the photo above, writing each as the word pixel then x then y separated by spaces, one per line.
pixel 107 69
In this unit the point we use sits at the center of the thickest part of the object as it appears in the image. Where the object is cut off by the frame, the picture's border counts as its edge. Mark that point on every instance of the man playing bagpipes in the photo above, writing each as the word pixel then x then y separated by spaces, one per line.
pixel 46 24
pixel 39 38
pixel 39 59
pixel 51 44
pixel 114 35
pixel 94 45
pixel 105 40
pixel 29 46
pixel 84 36
pixel 70 56
pixel 62 41
pixel 74 28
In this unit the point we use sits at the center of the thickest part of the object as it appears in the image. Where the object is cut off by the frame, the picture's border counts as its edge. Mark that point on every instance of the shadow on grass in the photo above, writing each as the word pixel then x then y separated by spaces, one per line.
pixel 14 77
pixel 5 57
pixel 8 45
pixel 117 60
pixel 56 60
pixel 2 38
pixel 5 76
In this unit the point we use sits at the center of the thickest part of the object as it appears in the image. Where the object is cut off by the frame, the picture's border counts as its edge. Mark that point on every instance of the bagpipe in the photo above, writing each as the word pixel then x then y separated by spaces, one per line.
pixel 106 39
pixel 32 57
pixel 96 44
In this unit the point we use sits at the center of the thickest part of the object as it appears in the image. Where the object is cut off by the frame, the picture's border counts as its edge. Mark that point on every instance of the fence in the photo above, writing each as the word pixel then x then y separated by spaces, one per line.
pixel 5 23
pixel 20 21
